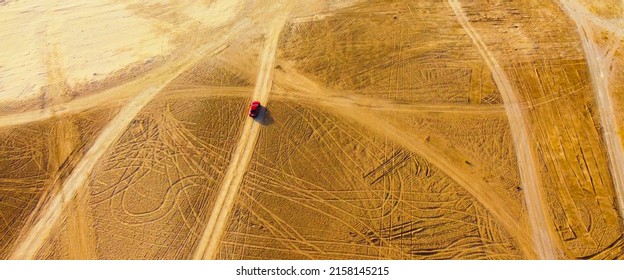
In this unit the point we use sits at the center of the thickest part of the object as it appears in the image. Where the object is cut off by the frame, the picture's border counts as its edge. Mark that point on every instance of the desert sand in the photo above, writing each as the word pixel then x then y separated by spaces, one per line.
pixel 458 129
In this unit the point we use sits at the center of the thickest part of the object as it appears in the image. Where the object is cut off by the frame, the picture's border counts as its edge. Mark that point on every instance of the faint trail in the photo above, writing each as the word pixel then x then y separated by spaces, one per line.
pixel 64 143
pixel 545 246
pixel 27 246
pixel 211 237
pixel 71 107
pixel 338 98
pixel 599 64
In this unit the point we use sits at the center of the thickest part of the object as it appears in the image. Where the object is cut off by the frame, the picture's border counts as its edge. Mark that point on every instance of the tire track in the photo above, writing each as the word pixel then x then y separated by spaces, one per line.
pixel 543 238
pixel 211 237
pixel 369 103
pixel 27 246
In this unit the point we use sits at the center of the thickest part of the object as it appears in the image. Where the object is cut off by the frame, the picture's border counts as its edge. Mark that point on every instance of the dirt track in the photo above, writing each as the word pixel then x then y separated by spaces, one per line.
pixel 209 242
pixel 542 236
pixel 599 66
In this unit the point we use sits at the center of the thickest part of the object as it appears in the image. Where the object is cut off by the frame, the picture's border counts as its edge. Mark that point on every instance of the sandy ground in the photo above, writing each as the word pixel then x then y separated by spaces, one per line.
pixel 391 130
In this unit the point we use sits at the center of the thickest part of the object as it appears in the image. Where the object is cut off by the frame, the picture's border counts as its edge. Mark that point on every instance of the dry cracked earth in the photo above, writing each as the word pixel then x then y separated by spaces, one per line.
pixel 390 129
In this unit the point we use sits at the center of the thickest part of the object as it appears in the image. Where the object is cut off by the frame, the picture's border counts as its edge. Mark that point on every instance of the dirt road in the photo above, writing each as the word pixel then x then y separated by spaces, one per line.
pixel 545 245
pixel 211 237
pixel 375 104
pixel 599 64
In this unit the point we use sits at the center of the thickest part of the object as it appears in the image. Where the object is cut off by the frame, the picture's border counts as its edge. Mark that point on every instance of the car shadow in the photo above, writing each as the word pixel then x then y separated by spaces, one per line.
pixel 265 118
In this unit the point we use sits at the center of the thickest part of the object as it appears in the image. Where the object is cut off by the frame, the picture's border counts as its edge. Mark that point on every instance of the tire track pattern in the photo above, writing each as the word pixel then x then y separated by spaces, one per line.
pixel 312 196
pixel 52 211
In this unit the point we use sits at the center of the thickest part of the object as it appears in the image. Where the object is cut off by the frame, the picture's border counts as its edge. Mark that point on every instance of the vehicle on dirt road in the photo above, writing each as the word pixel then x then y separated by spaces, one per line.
pixel 254 109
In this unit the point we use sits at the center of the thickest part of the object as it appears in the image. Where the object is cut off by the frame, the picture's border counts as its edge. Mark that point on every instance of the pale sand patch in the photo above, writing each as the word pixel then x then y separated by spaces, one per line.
pixel 88 40
pixel 214 13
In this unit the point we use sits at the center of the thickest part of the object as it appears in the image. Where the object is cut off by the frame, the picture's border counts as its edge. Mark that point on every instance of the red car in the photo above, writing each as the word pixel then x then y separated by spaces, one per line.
pixel 254 109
